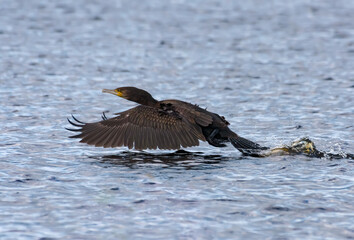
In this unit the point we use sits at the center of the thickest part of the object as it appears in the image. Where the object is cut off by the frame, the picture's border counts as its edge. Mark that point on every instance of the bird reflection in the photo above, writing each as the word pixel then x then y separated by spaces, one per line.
pixel 179 159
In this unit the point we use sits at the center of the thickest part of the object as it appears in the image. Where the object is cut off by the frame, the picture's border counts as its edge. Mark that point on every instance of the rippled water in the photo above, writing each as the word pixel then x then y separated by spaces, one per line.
pixel 277 70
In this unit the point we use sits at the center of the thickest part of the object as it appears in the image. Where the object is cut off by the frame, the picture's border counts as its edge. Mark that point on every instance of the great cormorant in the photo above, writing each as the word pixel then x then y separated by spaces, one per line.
pixel 166 124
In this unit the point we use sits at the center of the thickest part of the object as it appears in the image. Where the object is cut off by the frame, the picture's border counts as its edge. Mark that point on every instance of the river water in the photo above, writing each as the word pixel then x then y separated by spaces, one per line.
pixel 277 71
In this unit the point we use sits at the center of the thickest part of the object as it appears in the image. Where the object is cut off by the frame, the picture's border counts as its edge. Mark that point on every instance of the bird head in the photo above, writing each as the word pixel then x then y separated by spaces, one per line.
pixel 132 94
pixel 120 92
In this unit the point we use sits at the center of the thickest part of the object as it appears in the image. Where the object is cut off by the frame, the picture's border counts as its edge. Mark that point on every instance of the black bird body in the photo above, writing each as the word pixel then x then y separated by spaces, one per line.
pixel 167 124
pixel 206 121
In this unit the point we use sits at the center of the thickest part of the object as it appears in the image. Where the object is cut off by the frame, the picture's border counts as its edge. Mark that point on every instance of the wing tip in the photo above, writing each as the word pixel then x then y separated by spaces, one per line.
pixel 76 123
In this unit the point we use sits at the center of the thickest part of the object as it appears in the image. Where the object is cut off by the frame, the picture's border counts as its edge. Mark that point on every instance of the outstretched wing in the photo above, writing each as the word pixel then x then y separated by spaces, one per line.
pixel 141 127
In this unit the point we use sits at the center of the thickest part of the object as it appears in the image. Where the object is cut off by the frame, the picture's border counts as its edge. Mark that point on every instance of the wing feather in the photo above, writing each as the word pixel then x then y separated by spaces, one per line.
pixel 116 140
pixel 104 138
pixel 122 135
pixel 111 138
pixel 143 127
pixel 153 138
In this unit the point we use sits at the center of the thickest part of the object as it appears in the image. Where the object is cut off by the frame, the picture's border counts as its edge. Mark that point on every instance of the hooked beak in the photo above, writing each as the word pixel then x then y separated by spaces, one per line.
pixel 113 91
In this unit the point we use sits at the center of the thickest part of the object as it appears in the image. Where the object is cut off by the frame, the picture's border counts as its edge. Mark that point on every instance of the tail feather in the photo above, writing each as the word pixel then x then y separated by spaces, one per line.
pixel 246 146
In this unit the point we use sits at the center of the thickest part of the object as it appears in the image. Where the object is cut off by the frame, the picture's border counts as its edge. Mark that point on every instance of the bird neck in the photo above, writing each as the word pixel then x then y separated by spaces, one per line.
pixel 147 101
pixel 144 98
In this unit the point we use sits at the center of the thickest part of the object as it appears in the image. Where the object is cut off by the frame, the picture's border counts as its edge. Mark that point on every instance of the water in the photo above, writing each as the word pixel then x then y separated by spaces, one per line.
pixel 277 70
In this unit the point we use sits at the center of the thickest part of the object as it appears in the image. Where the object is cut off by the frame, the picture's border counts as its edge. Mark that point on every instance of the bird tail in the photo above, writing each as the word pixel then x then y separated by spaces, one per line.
pixel 247 147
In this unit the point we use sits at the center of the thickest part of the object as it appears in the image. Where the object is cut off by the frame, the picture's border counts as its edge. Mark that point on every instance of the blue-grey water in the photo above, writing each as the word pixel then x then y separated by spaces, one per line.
pixel 277 70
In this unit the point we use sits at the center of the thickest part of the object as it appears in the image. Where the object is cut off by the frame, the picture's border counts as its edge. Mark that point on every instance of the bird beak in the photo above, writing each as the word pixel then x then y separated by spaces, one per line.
pixel 114 92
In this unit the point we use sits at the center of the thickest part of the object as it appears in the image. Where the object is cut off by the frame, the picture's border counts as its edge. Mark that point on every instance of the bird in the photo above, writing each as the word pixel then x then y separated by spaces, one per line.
pixel 152 124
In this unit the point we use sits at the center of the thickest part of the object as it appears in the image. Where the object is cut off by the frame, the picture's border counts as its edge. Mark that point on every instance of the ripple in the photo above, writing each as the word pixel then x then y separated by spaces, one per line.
pixel 270 69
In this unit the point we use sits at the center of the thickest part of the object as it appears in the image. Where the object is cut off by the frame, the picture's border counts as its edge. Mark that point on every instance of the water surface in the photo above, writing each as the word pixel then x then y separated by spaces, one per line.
pixel 277 71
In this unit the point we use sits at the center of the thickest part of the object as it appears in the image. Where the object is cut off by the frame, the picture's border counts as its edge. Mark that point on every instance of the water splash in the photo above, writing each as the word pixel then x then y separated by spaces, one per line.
pixel 306 147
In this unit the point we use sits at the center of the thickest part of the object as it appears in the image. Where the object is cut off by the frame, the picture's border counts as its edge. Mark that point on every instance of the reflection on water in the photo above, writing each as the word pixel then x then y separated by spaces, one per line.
pixel 180 159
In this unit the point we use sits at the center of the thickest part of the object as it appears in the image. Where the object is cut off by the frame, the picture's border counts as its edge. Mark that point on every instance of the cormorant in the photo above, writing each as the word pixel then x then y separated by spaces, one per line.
pixel 167 124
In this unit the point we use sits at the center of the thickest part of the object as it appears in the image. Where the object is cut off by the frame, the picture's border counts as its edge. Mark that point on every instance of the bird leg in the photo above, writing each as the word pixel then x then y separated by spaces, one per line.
pixel 214 141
